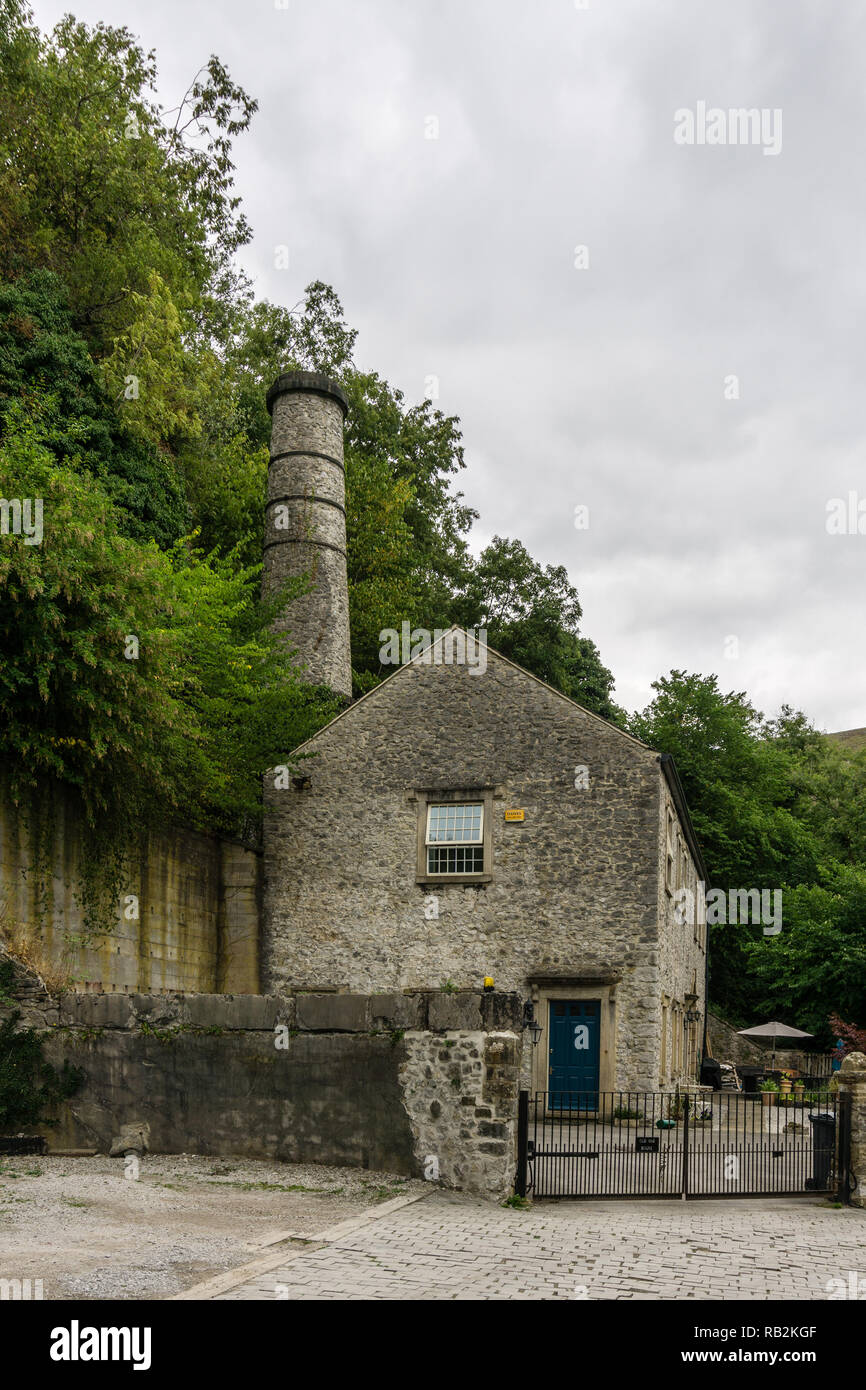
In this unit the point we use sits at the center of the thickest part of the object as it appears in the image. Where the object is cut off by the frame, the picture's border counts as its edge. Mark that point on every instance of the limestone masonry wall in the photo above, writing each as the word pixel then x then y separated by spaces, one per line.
pixel 305 523
pixel 727 1046
pixel 681 979
pixel 852 1084
pixel 573 889
pixel 576 881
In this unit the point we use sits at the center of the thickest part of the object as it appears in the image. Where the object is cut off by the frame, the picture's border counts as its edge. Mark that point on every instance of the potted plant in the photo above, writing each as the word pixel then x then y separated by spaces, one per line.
pixel 769 1091
pixel 785 1085
pixel 799 1091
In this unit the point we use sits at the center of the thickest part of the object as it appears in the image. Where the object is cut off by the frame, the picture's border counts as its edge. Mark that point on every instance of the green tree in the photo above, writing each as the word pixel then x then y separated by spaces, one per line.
pixel 532 615
pixel 225 463
pixel 42 358
pixel 405 527
pixel 101 185
pixel 421 449
pixel 226 483
pixel 383 584
pixel 267 339
pixel 736 778
pixel 132 351
pixel 776 806
pixel 817 963
pixel 825 787
pixel 149 682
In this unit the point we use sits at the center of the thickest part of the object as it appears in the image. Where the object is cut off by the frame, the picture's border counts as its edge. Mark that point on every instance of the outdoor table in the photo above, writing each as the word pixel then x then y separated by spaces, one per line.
pixel 750 1077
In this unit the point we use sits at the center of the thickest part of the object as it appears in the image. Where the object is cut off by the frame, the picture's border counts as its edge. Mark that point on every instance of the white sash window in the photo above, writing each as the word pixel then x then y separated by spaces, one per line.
pixel 455 837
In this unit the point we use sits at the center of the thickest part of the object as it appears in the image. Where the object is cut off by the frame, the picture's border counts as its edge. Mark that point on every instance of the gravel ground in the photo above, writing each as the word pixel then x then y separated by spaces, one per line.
pixel 88 1232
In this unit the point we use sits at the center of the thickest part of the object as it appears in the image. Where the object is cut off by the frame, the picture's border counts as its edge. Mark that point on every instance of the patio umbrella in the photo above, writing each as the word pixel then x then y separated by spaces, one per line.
pixel 772 1032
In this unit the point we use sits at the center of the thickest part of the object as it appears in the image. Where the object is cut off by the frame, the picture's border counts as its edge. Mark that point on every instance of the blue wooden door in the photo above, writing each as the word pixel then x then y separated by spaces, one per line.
pixel 575 1025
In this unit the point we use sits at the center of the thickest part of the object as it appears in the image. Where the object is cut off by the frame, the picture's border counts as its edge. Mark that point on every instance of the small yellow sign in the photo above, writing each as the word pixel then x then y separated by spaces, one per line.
pixel 515 815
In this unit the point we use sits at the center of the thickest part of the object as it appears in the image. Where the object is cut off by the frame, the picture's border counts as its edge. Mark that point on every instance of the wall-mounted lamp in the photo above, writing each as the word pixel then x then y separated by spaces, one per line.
pixel 531 1022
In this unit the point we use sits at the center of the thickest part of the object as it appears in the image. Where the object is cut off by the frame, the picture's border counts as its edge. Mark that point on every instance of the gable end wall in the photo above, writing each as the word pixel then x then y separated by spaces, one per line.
pixel 575 887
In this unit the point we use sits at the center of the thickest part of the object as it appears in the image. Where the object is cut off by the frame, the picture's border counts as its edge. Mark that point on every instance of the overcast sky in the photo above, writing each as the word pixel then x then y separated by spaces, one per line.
pixel 607 385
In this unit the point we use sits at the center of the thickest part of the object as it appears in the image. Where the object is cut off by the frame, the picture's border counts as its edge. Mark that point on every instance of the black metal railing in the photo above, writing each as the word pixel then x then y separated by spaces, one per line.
pixel 671 1144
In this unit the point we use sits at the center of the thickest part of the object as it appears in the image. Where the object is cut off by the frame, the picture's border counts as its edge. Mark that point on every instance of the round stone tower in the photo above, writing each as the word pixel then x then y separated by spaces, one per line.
pixel 305 522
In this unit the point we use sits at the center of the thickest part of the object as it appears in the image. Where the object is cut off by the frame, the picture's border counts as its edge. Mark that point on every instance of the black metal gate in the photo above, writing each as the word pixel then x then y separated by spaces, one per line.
pixel 663 1144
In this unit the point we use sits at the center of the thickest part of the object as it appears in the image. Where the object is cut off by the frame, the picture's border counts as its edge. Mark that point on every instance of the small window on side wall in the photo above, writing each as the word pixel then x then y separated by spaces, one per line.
pixel 670 846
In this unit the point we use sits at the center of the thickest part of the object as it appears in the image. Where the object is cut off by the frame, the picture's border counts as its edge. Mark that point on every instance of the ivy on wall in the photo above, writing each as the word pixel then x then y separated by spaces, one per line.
pixel 29 1086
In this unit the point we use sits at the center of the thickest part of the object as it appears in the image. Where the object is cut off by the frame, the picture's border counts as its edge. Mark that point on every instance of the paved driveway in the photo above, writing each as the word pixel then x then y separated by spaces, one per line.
pixel 451 1247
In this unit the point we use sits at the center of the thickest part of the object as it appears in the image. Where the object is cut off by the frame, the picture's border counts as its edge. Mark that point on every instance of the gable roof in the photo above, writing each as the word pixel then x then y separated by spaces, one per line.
pixel 420 661
pixel 672 777
pixel 666 761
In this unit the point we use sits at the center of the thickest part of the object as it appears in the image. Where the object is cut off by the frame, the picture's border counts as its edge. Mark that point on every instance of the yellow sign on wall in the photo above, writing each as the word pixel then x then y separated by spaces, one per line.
pixel 515 815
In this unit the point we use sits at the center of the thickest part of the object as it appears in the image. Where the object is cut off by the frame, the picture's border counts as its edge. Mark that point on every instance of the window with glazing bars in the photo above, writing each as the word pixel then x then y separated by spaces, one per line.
pixel 455 838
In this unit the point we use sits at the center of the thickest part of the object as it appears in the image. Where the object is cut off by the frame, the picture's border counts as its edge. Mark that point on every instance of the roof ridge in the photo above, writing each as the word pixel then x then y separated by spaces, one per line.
pixel 419 659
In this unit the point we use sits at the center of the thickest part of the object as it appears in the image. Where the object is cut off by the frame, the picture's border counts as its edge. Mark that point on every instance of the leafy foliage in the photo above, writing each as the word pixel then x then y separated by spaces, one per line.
pixel 29 1086
pixel 134 366
pixel 853 1039
pixel 43 359
pixel 817 964
pixel 147 680
pixel 736 777
pixel 102 186
pixel 532 615
pixel 774 805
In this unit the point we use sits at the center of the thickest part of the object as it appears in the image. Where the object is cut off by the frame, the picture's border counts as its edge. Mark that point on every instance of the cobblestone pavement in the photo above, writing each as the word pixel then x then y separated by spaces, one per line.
pixel 451 1247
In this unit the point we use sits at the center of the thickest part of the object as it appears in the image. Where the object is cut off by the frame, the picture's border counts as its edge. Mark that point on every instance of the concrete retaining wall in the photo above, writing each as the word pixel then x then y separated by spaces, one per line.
pixel 423 1084
pixel 197 912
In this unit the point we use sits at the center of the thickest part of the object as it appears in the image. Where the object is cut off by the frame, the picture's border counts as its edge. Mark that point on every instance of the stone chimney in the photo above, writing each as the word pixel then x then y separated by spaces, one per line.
pixel 305 522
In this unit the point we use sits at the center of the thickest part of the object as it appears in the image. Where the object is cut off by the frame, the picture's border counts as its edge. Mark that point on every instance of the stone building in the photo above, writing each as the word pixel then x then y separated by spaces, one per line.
pixel 464 820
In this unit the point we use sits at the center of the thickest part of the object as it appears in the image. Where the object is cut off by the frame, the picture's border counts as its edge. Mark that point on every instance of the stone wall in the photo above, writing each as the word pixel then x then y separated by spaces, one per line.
pixel 460 1081
pixel 680 976
pixel 197 922
pixel 573 890
pixel 852 1083
pixel 421 1084
pixel 726 1045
